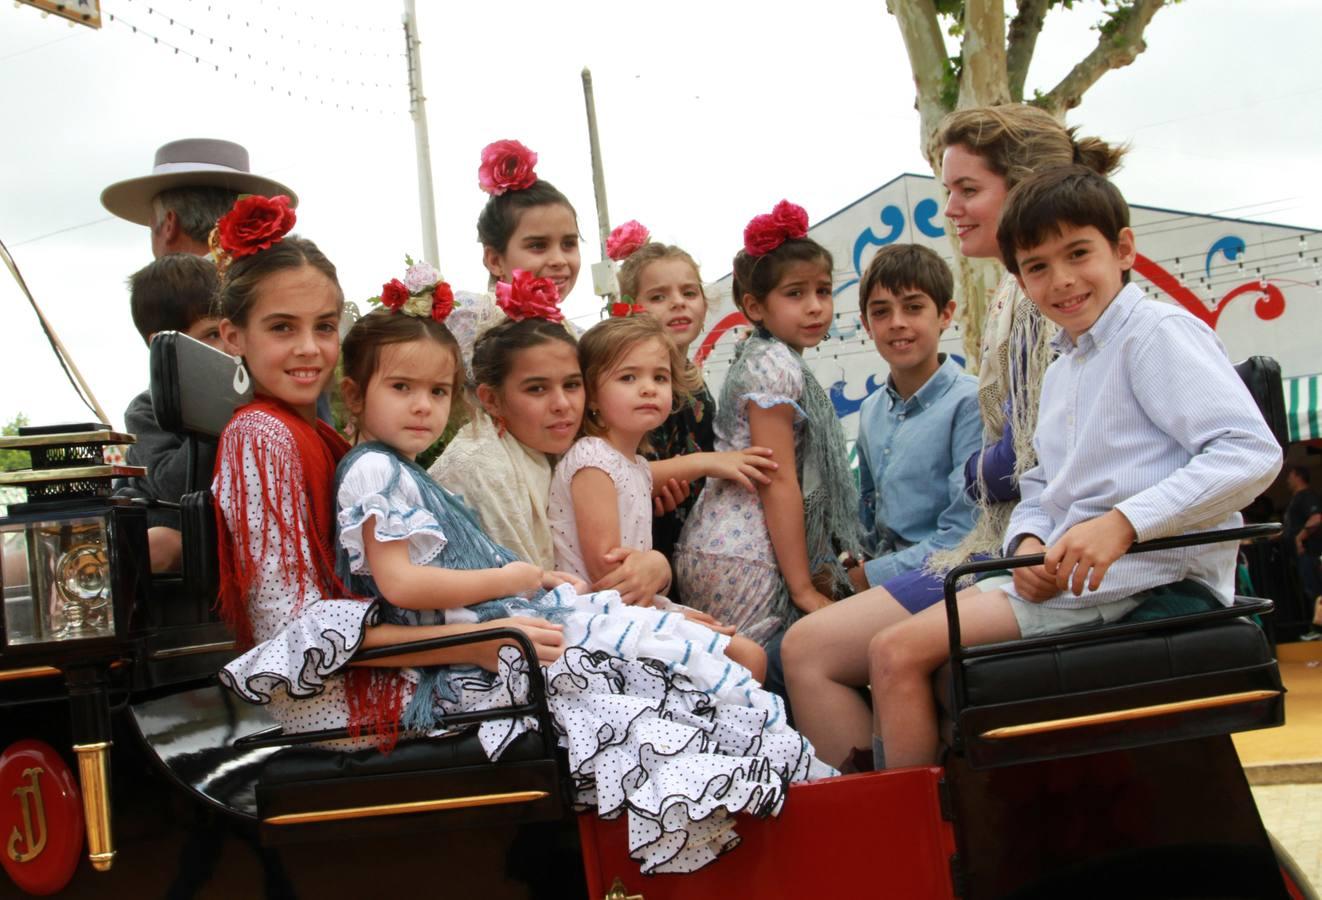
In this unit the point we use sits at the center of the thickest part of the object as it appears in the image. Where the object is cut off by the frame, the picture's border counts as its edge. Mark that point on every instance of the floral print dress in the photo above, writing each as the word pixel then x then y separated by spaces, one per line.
pixel 724 563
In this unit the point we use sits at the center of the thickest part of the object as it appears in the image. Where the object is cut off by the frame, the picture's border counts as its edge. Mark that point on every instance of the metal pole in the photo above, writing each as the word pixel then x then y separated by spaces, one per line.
pixel 603 273
pixel 417 109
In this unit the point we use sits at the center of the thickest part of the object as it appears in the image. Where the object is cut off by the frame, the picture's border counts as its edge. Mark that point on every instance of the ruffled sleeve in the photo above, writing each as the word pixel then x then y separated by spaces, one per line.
pixel 300 657
pixel 373 489
pixel 773 377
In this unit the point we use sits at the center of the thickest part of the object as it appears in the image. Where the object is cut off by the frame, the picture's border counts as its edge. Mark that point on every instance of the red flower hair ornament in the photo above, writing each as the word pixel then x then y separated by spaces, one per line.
pixel 506 166
pixel 627 308
pixel 526 297
pixel 421 294
pixel 626 240
pixel 787 221
pixel 254 223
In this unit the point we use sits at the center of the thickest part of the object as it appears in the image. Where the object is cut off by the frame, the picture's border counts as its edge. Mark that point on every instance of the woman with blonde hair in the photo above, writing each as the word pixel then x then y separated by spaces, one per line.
pixel 985 151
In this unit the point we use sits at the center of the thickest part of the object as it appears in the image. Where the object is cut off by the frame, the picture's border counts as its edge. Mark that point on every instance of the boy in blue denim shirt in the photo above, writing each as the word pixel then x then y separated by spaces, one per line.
pixel 916 433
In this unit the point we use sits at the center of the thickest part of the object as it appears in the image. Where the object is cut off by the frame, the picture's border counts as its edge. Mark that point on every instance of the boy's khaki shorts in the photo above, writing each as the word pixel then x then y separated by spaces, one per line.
pixel 1035 619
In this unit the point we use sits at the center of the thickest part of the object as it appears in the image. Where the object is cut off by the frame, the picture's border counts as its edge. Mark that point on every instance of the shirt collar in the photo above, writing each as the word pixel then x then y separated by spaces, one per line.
pixel 1107 325
pixel 932 389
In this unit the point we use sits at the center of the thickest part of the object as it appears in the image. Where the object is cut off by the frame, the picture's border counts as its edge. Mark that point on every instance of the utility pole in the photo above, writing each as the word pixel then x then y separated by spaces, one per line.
pixel 603 273
pixel 418 110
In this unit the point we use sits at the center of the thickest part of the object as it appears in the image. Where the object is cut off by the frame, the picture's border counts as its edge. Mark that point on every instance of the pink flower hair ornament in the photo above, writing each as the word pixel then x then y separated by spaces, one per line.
pixel 526 297
pixel 786 221
pixel 626 240
pixel 422 293
pixel 506 166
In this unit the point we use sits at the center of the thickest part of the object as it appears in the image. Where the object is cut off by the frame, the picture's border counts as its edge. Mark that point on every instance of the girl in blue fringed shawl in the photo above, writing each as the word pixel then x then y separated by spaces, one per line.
pixel 759 561
pixel 656 719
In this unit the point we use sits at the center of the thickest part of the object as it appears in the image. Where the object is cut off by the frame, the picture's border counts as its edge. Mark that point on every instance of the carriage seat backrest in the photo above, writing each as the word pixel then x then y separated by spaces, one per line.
pixel 193 393
pixel 193 385
pixel 1262 376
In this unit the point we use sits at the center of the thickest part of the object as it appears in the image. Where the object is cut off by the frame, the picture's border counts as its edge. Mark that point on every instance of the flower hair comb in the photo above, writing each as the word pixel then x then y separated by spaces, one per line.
pixel 626 240
pixel 786 221
pixel 254 223
pixel 422 293
pixel 506 166
pixel 526 297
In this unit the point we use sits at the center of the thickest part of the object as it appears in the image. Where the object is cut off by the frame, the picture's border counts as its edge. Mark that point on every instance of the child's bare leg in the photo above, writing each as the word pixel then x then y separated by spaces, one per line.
pixel 165 548
pixel 749 655
pixel 826 661
pixel 903 658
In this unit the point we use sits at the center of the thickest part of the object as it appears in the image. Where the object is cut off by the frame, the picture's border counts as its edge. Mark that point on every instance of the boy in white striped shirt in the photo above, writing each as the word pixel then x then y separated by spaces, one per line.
pixel 1144 431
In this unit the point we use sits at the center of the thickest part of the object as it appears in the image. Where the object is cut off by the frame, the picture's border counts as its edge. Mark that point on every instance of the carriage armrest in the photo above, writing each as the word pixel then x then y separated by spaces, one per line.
pixel 1247 608
pixel 535 706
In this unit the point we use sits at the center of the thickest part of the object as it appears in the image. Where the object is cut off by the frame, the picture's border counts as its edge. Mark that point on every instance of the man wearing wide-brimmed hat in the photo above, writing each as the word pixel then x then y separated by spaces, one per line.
pixel 193 183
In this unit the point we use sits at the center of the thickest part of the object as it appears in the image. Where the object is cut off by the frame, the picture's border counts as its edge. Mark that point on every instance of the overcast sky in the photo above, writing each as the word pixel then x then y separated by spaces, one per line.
pixel 709 112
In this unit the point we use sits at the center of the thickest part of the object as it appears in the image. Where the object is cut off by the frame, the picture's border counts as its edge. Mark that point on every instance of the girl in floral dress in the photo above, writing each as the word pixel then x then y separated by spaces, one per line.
pixel 757 562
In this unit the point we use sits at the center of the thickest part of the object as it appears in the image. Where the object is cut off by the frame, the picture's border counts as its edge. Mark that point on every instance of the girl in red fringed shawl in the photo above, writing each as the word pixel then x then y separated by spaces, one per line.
pixel 280 303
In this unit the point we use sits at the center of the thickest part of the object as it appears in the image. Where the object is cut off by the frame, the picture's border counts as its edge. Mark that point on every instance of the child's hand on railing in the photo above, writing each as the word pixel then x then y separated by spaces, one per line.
pixel 548 641
pixel 1032 582
pixel 1089 547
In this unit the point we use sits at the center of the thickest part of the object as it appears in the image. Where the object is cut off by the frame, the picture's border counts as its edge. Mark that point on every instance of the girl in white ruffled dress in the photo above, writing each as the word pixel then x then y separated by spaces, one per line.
pixel 657 721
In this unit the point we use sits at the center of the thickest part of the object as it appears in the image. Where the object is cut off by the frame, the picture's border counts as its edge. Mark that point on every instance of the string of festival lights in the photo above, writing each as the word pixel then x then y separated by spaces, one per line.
pixel 263 82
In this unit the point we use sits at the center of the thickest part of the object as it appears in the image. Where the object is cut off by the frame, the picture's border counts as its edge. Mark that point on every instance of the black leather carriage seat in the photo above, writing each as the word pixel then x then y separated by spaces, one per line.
pixel 185 640
pixel 301 793
pixel 1181 681
pixel 448 782
pixel 1124 685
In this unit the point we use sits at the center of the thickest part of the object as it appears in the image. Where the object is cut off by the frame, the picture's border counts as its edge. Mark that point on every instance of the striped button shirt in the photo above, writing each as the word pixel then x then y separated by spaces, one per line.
pixel 1146 415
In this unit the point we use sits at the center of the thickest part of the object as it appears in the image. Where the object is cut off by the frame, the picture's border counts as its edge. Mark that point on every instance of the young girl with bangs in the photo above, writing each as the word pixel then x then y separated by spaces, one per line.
pixel 757 562
pixel 635 377
pixel 640 698
pixel 663 281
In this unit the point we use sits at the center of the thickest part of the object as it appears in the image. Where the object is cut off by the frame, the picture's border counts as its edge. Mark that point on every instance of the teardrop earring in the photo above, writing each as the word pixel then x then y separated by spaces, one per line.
pixel 241 379
pixel 500 425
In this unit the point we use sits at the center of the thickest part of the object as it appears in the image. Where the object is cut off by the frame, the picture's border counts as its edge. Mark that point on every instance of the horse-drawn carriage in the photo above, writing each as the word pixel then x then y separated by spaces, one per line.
pixel 1095 763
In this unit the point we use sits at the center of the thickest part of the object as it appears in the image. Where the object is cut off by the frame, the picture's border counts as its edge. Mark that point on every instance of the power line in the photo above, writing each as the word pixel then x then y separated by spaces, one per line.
pixel 254 82
pixel 284 38
pixel 302 14
pixel 42 237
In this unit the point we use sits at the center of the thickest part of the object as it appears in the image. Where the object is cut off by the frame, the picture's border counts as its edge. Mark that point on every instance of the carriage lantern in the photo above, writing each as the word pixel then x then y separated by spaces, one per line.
pixel 73 567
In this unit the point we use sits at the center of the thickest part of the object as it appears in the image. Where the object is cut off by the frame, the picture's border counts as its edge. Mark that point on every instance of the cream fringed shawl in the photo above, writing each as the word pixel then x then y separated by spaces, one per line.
pixel 1016 350
pixel 506 483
